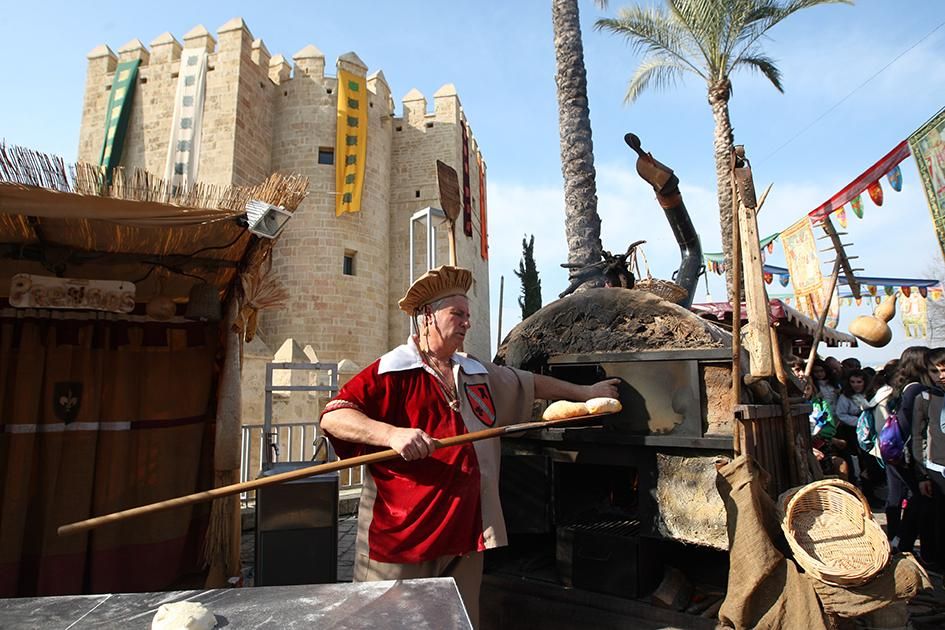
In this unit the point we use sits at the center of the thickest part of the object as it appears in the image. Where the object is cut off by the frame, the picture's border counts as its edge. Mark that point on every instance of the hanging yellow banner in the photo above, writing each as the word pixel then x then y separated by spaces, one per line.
pixel 350 142
pixel 914 315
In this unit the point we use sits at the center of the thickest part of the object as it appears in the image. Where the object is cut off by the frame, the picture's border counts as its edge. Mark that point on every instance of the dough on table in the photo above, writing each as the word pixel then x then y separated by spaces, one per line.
pixel 183 616
pixel 564 409
pixel 603 405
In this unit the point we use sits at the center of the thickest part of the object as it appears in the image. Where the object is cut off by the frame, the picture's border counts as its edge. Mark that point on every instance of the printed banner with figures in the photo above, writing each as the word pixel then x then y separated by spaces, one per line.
pixel 928 147
pixel 350 142
pixel 813 304
pixel 800 251
pixel 914 314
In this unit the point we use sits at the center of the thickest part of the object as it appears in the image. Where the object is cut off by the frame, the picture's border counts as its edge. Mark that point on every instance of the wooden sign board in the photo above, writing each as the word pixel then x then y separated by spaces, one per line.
pixel 448 182
pixel 31 291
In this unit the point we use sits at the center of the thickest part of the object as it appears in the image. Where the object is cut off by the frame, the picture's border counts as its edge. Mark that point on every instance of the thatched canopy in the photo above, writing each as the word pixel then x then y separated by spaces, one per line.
pixel 73 222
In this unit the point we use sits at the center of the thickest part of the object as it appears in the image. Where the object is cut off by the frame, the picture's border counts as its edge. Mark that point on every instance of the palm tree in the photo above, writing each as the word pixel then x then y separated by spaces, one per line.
pixel 582 223
pixel 711 39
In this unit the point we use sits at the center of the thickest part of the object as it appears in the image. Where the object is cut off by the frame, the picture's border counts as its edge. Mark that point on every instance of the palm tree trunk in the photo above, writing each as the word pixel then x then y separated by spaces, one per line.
pixel 582 223
pixel 719 93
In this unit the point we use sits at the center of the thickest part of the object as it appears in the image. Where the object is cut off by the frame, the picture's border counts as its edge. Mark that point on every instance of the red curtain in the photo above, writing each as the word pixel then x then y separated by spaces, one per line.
pixel 99 415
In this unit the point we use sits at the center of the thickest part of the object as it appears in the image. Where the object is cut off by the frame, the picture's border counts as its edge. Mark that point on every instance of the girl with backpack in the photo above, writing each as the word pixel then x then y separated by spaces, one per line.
pixel 910 380
pixel 928 457
pixel 850 404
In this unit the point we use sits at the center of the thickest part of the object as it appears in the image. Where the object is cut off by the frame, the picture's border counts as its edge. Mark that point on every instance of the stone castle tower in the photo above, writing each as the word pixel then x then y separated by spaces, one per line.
pixel 263 114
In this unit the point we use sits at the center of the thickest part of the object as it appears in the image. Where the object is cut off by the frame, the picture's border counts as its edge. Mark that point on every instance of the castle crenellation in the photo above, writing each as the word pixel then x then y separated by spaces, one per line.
pixel 264 113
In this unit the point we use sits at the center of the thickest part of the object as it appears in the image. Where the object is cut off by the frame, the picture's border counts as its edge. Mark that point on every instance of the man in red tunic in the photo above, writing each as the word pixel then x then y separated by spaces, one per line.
pixel 433 512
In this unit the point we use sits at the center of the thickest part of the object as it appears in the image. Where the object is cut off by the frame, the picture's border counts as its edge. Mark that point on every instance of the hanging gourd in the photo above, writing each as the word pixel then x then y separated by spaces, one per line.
pixel 876 193
pixel 841 215
pixel 894 177
pixel 857 204
pixel 874 329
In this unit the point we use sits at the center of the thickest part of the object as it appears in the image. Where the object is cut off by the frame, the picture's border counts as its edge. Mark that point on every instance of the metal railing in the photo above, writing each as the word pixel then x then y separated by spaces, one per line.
pixel 290 442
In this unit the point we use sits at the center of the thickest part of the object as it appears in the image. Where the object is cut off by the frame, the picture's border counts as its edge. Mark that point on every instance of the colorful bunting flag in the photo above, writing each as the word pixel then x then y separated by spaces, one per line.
pixel 784 278
pixel 876 193
pixel 906 291
pixel 888 289
pixel 769 277
pixel 859 300
pixel 871 289
pixel 894 177
pixel 857 204
pixel 841 215
pixel 924 292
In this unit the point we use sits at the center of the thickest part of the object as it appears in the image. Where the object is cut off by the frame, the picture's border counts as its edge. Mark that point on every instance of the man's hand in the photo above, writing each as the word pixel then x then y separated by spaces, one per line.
pixel 925 488
pixel 603 389
pixel 411 443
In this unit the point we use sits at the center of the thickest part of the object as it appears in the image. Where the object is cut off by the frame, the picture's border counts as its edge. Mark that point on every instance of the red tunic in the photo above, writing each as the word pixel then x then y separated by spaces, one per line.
pixel 424 509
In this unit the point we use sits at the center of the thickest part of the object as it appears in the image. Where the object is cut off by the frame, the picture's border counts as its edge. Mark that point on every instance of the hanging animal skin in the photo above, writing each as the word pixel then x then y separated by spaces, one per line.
pixel 857 205
pixel 876 193
pixel 841 215
pixel 894 177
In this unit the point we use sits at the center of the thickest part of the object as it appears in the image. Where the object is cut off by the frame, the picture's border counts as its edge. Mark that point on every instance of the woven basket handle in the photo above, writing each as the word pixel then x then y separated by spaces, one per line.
pixel 839 483
pixel 646 263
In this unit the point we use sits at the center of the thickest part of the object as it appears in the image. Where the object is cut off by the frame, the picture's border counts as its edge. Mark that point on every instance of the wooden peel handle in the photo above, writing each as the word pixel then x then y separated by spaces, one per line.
pixel 301 473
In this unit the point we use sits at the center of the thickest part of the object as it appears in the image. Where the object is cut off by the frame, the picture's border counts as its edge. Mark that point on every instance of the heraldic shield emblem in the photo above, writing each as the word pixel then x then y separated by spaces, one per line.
pixel 67 399
pixel 480 401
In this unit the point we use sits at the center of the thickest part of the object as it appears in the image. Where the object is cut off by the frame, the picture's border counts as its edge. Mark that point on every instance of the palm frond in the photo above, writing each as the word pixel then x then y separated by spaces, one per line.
pixel 765 65
pixel 654 32
pixel 659 72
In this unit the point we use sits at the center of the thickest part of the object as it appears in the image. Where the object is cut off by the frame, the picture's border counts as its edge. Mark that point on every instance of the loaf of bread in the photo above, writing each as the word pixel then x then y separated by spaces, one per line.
pixel 564 409
pixel 603 405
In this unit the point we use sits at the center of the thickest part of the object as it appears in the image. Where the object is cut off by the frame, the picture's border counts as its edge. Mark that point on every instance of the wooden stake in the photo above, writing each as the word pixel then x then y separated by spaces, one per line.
pixel 823 320
pixel 236 488
pixel 736 300
pixel 498 342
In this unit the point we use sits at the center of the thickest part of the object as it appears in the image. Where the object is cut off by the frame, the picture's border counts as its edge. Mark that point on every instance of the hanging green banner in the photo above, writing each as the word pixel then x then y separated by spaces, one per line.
pixel 118 112
pixel 928 147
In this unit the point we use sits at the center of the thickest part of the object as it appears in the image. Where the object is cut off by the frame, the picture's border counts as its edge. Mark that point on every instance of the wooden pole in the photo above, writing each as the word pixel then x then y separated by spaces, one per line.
pixel 498 342
pixel 451 237
pixel 790 434
pixel 823 320
pixel 236 488
pixel 736 299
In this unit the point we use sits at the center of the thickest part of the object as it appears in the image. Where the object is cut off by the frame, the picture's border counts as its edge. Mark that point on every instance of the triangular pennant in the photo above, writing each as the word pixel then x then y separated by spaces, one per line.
pixel 888 289
pixel 924 291
pixel 876 193
pixel 906 291
pixel 859 301
pixel 769 277
pixel 871 289
pixel 784 279
pixel 894 177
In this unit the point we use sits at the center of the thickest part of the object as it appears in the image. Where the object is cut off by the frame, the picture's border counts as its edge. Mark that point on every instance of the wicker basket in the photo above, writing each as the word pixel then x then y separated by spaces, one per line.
pixel 663 289
pixel 830 528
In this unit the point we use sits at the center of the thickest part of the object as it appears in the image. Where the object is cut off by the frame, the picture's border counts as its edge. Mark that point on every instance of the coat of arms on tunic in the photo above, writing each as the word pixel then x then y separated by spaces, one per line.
pixel 480 401
pixel 67 398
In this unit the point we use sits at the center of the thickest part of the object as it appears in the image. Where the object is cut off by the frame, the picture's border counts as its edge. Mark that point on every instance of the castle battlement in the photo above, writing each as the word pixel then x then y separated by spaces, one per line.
pixel 265 112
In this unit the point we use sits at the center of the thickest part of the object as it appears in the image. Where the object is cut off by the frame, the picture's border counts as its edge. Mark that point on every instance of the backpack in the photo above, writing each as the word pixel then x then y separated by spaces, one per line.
pixel 892 444
pixel 823 422
pixel 866 430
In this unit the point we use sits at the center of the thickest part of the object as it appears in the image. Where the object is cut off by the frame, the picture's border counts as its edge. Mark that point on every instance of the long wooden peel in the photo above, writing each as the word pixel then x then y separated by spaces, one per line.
pixel 448 183
pixel 301 473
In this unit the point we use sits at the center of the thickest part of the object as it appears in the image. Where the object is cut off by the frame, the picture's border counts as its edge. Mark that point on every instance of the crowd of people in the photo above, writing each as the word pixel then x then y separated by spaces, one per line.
pixel 885 431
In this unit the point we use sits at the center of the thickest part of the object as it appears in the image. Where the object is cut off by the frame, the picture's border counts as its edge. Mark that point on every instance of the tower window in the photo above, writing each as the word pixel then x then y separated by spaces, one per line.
pixel 348 267
pixel 326 155
pixel 417 194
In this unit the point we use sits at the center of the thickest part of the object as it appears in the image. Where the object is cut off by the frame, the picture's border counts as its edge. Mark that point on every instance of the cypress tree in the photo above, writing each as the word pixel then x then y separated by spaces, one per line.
pixel 530 300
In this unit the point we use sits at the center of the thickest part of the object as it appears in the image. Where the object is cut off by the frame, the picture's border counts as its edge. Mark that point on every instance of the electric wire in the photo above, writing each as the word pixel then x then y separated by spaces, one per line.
pixel 851 93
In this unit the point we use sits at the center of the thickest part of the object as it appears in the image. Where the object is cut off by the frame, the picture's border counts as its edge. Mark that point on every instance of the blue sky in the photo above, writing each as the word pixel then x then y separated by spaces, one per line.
pixel 499 55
